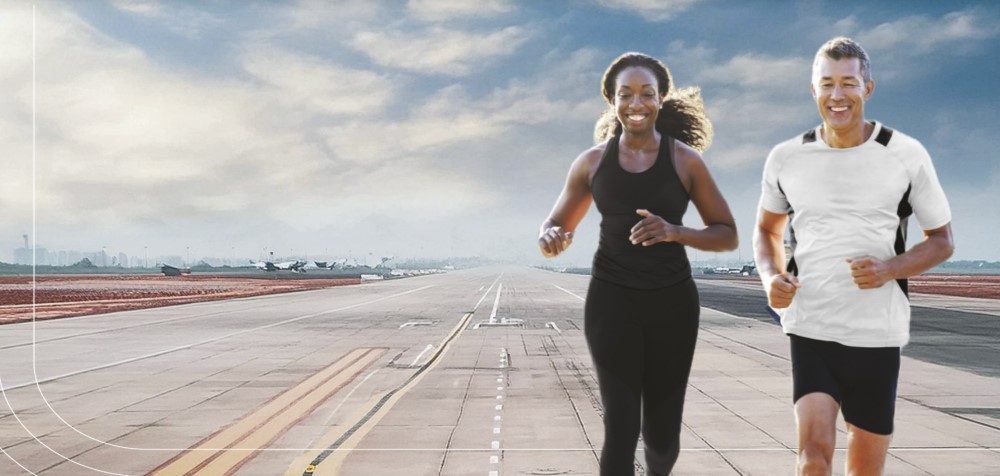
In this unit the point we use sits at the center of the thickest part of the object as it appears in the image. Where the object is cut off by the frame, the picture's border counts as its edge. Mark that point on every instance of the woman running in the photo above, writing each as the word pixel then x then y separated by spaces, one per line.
pixel 641 314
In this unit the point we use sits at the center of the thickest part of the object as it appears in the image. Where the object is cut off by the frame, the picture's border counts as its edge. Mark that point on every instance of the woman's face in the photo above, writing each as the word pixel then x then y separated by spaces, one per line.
pixel 637 101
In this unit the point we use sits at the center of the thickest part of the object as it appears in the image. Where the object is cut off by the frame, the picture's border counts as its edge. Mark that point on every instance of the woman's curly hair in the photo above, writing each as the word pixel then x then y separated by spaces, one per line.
pixel 681 116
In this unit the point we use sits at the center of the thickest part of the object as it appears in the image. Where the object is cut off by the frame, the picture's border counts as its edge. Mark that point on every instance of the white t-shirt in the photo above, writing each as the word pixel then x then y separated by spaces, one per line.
pixel 846 203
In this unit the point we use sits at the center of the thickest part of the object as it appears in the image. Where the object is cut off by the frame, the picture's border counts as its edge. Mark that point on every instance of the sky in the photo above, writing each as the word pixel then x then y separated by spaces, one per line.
pixel 435 128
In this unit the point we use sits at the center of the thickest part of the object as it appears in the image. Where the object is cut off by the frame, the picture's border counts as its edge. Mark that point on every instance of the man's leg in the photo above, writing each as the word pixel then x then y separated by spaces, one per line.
pixel 869 407
pixel 816 420
pixel 866 451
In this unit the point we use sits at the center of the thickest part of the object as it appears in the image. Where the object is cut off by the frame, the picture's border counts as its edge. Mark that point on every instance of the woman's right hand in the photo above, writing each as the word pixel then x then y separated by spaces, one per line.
pixel 554 240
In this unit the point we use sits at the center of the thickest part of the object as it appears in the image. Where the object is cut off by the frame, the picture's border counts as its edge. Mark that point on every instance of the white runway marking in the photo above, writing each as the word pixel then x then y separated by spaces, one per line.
pixel 416 323
pixel 429 347
pixel 553 325
pixel 334 412
pixel 496 303
pixel 495 459
pixel 571 293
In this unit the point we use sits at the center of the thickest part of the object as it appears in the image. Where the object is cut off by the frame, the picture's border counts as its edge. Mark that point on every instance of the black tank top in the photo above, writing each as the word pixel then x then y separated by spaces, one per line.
pixel 618 193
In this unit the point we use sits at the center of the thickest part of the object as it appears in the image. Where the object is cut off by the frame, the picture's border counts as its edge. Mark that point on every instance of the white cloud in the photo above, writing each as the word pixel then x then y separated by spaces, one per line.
pixel 139 7
pixel 753 100
pixel 436 10
pixel 753 71
pixel 917 44
pixel 183 20
pixel 439 50
pixel 451 117
pixel 129 148
pixel 920 34
pixel 322 14
pixel 318 84
pixel 657 10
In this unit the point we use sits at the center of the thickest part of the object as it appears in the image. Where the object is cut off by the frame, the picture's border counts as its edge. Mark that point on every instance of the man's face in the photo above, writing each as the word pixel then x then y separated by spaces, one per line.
pixel 840 92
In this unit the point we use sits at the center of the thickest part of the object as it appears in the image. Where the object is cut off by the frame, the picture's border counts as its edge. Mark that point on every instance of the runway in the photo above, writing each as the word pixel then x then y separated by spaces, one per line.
pixel 957 332
pixel 409 377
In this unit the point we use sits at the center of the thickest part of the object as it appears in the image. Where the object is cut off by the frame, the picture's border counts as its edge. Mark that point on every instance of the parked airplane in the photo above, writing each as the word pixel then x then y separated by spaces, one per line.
pixel 168 270
pixel 340 263
pixel 264 265
pixel 385 259
pixel 296 265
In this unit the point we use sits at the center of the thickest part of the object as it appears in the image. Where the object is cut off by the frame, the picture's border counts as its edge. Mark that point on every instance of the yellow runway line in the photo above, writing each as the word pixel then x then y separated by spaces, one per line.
pixel 270 420
pixel 330 465
pixel 335 432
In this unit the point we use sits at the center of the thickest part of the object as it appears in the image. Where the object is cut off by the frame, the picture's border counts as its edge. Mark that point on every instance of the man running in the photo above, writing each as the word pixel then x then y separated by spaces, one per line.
pixel 847 187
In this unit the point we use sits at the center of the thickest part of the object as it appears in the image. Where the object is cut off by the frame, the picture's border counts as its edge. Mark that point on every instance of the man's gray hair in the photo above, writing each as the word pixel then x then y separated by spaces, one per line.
pixel 843 47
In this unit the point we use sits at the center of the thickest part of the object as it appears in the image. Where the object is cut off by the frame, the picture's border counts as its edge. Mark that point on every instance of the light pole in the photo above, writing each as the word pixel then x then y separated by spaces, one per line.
pixel 145 257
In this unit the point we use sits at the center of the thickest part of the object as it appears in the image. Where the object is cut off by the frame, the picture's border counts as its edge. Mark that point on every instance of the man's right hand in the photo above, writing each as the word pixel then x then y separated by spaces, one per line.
pixel 554 240
pixel 781 290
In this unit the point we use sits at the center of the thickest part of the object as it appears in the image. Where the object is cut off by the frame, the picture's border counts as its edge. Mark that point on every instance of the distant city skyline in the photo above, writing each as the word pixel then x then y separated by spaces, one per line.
pixel 109 257
pixel 428 130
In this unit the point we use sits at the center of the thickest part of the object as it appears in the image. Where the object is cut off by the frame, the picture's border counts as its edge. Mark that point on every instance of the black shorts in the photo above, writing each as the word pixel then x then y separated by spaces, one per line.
pixel 861 379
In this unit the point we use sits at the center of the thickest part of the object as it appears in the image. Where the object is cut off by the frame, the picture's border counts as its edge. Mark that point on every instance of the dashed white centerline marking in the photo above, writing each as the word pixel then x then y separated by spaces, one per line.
pixel 495 459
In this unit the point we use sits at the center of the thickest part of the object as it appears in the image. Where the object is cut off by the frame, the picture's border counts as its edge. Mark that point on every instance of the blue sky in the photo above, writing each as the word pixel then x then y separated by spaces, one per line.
pixel 436 128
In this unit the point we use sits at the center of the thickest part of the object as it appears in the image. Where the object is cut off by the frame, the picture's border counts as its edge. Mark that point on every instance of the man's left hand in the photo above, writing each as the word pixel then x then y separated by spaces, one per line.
pixel 869 272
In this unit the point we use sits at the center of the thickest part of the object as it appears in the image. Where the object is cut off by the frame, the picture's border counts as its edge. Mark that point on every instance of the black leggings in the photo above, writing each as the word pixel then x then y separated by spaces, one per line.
pixel 642 343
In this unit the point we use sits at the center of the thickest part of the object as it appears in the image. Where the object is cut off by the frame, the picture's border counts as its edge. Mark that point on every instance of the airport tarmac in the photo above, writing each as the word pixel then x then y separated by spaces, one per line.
pixel 409 377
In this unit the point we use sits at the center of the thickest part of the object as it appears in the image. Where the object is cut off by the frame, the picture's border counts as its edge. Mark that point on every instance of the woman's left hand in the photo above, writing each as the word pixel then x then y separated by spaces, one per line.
pixel 652 230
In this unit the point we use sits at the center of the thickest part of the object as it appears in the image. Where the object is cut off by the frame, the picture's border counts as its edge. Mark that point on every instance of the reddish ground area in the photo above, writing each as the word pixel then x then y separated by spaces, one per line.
pixel 66 296
pixel 964 285
pixel 958 285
